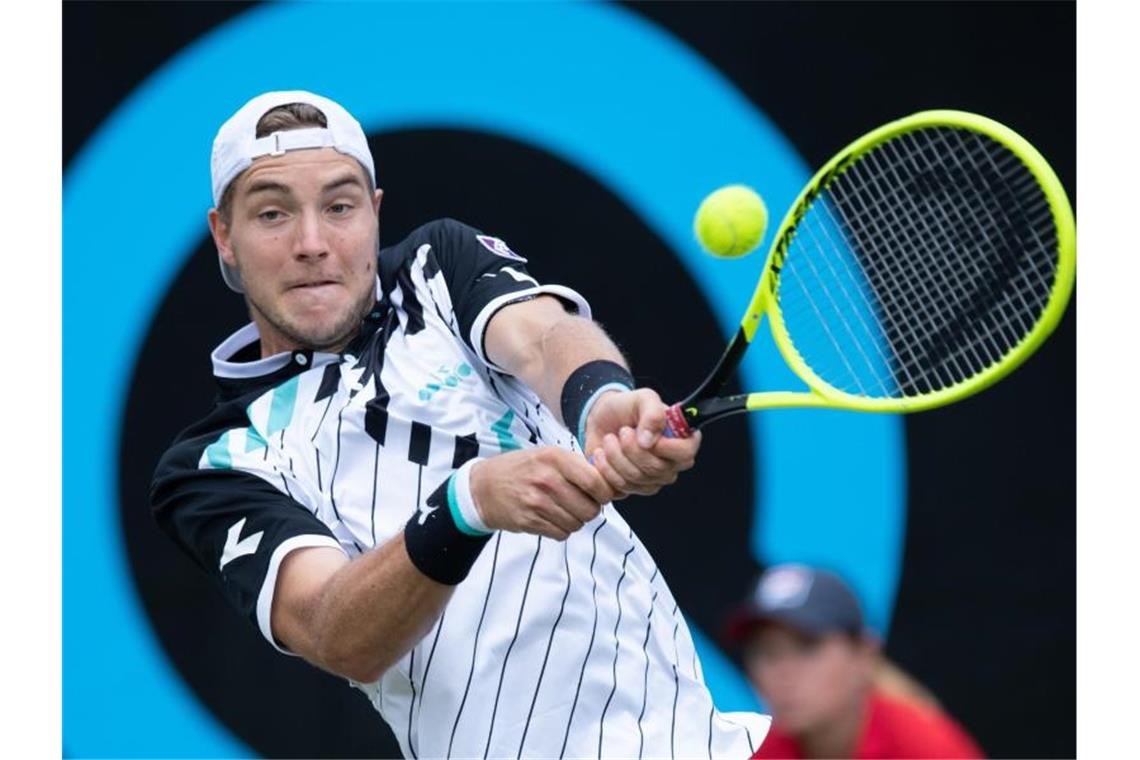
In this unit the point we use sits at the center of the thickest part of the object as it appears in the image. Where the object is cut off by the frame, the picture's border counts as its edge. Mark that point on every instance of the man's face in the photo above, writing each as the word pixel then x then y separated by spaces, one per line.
pixel 303 234
pixel 808 682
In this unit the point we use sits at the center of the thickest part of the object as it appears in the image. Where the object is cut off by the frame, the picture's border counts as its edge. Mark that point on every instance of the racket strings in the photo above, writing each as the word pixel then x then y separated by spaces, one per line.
pixel 929 259
pixel 847 283
pixel 902 275
pixel 941 281
pixel 898 334
pixel 1019 317
pixel 933 283
pixel 1001 204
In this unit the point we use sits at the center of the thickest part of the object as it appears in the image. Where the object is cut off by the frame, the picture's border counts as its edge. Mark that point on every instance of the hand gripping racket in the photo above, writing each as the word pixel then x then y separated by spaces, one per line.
pixel 923 263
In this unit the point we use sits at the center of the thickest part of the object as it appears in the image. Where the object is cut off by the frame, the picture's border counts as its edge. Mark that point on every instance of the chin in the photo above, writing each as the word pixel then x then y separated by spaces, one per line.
pixel 320 334
pixel 792 721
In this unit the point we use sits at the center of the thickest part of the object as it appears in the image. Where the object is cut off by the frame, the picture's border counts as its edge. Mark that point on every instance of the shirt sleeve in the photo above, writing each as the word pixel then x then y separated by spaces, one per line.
pixel 483 275
pixel 236 527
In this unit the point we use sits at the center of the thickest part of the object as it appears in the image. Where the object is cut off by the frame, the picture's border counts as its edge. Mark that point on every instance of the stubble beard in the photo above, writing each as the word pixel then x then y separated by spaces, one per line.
pixel 332 338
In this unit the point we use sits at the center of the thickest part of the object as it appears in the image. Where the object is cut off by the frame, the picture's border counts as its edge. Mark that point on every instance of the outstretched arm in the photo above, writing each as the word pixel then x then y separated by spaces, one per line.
pixel 543 345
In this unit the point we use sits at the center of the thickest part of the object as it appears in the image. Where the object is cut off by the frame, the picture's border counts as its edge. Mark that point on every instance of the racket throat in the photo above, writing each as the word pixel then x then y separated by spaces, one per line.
pixel 699 407
pixel 724 369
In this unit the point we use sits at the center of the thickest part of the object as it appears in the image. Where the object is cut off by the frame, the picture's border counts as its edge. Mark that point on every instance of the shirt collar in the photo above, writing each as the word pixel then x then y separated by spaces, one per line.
pixel 225 367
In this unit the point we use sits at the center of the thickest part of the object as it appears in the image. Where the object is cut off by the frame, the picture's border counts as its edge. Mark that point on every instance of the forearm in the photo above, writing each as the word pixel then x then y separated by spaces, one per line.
pixel 370 613
pixel 543 351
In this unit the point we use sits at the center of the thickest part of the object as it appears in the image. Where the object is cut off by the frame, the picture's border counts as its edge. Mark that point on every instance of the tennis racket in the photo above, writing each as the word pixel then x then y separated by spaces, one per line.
pixel 923 263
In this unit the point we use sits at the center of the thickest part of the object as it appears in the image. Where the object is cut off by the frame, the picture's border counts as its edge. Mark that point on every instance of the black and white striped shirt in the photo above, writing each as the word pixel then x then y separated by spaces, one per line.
pixel 547 649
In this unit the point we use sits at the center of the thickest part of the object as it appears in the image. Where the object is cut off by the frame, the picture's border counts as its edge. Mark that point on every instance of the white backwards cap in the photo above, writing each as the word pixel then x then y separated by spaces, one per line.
pixel 237 145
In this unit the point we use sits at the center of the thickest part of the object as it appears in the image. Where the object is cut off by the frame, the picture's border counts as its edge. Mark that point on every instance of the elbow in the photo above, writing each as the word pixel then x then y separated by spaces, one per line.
pixel 354 662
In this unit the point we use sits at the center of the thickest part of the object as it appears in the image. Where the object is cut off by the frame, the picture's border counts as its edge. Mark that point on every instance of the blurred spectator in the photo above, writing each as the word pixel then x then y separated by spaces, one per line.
pixel 831 692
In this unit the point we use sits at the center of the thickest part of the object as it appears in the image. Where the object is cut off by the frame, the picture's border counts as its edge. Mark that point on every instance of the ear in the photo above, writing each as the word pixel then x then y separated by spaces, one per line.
pixel 376 196
pixel 220 231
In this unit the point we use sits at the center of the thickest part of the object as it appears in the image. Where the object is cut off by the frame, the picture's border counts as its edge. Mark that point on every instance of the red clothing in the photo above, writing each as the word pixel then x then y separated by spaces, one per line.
pixel 892 729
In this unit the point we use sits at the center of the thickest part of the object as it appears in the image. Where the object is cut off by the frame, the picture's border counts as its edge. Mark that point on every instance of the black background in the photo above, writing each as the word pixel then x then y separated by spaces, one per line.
pixel 986 612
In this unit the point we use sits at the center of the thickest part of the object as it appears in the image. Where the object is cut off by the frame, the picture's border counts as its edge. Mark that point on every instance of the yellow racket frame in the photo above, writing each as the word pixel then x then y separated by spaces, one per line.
pixel 821 393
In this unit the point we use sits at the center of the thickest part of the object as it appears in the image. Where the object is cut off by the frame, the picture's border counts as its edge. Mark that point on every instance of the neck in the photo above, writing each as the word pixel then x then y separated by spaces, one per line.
pixel 274 341
pixel 835 738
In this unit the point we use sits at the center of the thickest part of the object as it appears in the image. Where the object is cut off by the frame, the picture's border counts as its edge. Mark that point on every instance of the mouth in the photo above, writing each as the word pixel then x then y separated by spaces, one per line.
pixel 313 285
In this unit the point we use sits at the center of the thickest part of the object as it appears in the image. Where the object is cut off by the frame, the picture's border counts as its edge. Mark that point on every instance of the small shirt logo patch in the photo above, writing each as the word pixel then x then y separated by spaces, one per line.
pixel 498 247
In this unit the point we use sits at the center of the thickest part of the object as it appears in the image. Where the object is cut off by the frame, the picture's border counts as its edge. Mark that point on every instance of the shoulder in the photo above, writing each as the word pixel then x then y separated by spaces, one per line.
pixel 441 234
pixel 188 446
pixel 918 730
pixel 203 441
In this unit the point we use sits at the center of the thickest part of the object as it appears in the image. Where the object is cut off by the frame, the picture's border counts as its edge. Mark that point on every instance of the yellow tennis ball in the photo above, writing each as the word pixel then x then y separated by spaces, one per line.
pixel 731 221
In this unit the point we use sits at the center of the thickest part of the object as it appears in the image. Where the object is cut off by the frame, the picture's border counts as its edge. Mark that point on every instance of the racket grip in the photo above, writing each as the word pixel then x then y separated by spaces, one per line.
pixel 676 426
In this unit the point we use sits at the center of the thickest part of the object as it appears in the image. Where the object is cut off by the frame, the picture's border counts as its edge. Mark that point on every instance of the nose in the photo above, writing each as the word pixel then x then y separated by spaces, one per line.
pixel 310 243
pixel 781 672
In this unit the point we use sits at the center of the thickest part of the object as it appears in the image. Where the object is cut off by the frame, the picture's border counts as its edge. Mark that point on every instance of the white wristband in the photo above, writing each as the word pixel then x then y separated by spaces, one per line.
pixel 461 502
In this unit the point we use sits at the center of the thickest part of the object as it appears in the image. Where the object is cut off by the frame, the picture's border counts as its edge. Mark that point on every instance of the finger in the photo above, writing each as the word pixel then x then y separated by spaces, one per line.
pixel 678 451
pixel 636 480
pixel 558 481
pixel 586 479
pixel 612 447
pixel 613 479
pixel 654 468
pixel 575 504
pixel 558 515
pixel 535 523
pixel 650 417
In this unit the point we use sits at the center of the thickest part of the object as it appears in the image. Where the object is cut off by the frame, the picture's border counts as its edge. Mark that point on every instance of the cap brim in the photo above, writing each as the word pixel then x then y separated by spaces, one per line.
pixel 744 621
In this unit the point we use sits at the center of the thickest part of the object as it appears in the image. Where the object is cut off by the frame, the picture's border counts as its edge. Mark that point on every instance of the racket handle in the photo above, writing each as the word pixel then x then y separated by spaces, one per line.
pixel 676 426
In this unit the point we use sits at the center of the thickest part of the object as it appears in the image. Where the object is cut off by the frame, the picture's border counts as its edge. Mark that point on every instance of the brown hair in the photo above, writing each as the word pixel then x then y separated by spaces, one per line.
pixel 280 119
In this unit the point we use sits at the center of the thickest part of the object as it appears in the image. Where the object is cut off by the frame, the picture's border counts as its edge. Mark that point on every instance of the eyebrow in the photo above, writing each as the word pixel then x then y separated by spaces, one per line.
pixel 347 179
pixel 269 186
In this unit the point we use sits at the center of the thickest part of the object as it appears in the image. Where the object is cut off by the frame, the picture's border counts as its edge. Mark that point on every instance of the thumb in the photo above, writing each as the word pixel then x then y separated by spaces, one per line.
pixel 650 418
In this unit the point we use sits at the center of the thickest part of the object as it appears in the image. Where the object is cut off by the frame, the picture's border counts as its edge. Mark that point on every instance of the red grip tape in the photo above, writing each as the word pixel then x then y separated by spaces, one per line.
pixel 676 426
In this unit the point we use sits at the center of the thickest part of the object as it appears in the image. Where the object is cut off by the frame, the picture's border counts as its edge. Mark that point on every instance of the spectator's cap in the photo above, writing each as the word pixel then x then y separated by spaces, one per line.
pixel 812 602
pixel 237 144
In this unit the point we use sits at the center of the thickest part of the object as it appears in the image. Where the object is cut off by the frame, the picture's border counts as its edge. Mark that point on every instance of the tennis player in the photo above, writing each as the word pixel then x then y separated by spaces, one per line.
pixel 394 483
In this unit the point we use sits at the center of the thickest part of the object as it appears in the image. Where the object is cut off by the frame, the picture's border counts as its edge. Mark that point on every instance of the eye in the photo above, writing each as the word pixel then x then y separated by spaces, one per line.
pixel 340 208
pixel 271 215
